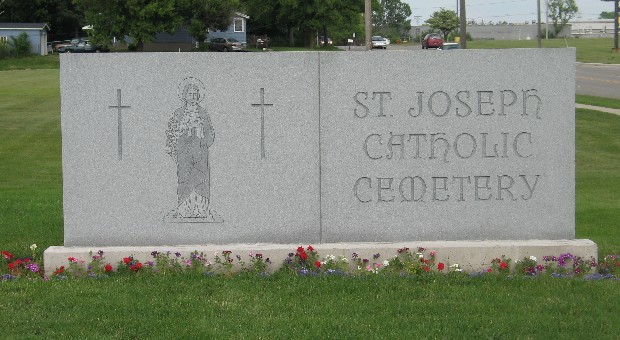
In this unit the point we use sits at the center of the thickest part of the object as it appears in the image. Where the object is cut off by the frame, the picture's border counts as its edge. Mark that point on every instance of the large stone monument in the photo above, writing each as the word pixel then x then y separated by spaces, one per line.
pixel 318 147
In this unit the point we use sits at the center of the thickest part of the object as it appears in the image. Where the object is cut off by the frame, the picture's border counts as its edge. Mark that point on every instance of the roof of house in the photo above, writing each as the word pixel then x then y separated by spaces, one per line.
pixel 23 26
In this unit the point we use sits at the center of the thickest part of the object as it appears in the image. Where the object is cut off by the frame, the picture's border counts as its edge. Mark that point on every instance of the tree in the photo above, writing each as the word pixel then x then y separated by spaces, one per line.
pixel 444 20
pixel 607 15
pixel 306 17
pixel 62 16
pixel 141 20
pixel 390 18
pixel 561 11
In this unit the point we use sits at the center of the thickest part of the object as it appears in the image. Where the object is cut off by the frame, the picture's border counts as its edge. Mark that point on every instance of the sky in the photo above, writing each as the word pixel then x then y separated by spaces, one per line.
pixel 512 11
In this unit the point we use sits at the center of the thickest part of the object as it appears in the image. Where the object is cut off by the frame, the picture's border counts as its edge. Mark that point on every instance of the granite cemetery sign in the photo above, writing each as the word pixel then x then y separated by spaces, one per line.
pixel 165 149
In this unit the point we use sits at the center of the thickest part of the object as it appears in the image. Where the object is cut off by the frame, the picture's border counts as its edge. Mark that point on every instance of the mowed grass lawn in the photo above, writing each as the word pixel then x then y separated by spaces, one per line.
pixel 281 306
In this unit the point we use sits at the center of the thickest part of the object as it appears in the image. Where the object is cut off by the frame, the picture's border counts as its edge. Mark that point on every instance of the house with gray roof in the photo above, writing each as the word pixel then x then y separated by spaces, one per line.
pixel 37 33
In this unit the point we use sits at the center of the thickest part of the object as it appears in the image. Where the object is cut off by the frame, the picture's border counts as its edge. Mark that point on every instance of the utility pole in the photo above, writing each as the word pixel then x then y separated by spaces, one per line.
pixel 539 38
pixel 463 26
pixel 546 19
pixel 368 23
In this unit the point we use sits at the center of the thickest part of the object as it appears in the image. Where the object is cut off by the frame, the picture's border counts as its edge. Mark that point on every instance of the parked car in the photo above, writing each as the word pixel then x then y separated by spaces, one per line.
pixel 226 45
pixel 378 42
pixel 82 46
pixel 322 41
pixel 432 40
pixel 450 46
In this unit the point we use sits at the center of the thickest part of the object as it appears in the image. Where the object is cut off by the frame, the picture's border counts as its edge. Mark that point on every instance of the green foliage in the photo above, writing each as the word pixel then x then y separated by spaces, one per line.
pixel 607 15
pixel 301 21
pixel 141 20
pixel 561 11
pixel 4 49
pixel 390 18
pixel 62 16
pixel 444 20
pixel 20 45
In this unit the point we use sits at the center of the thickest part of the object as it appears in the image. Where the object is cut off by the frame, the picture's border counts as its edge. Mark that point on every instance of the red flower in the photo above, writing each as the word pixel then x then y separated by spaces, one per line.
pixel 18 262
pixel 303 256
pixel 60 270
pixel 310 248
pixel 108 267
pixel 489 270
pixel 7 255
pixel 11 265
pixel 503 265
pixel 426 269
pixel 300 250
pixel 136 267
pixel 126 260
pixel 317 264
pixel 441 266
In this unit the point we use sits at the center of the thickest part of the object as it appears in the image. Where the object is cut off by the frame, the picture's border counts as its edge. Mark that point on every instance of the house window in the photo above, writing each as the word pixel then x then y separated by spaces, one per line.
pixel 4 39
pixel 238 23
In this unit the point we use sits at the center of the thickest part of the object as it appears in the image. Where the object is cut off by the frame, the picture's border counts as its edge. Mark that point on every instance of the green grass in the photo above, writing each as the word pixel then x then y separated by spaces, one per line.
pixel 30 159
pixel 287 307
pixel 588 50
pixel 32 62
pixel 598 179
pixel 598 101
pixel 281 306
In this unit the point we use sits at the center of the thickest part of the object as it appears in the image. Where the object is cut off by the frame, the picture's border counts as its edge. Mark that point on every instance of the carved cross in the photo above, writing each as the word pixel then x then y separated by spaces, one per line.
pixel 120 123
pixel 262 121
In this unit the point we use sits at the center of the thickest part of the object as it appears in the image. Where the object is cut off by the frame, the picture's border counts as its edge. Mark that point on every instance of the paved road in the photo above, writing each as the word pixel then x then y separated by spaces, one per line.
pixel 598 80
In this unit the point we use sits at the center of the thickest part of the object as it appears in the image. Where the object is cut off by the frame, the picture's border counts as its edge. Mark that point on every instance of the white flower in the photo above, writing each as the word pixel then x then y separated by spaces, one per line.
pixel 330 257
pixel 458 270
pixel 533 258
pixel 359 267
pixel 420 255
pixel 33 247
pixel 344 259
pixel 386 263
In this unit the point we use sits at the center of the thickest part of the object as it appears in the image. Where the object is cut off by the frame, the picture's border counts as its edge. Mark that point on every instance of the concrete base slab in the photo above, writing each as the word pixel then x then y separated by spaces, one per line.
pixel 471 256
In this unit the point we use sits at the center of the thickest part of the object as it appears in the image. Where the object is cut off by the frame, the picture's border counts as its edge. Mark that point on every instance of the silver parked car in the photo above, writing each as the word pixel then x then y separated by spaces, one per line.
pixel 226 45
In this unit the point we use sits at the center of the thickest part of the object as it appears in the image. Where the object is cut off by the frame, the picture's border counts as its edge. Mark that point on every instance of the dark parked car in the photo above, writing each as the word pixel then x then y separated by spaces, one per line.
pixel 432 40
pixel 82 46
pixel 226 45
pixel 450 46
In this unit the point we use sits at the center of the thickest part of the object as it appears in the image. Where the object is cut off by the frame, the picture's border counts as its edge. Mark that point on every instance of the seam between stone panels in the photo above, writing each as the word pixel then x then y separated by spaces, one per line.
pixel 320 158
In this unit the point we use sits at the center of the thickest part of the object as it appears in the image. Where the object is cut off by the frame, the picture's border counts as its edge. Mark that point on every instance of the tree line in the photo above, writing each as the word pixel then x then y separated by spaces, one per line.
pixel 297 22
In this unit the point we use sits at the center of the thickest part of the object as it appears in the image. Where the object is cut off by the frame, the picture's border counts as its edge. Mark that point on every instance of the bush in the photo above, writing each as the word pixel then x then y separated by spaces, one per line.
pixel 20 46
pixel 4 49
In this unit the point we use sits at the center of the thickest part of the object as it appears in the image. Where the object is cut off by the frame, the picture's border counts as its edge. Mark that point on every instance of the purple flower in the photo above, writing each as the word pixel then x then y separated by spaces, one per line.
pixel 376 256
pixel 150 263
pixel 100 252
pixel 238 257
pixel 154 253
pixel 354 256
pixel 7 277
pixel 177 254
pixel 33 267
pixel 291 254
pixel 259 256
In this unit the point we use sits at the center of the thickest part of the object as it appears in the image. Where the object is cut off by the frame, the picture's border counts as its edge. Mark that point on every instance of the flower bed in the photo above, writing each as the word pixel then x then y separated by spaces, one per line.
pixel 304 261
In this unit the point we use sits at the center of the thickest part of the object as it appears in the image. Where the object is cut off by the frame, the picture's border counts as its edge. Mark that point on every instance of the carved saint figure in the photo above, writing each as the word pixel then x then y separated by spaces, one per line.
pixel 189 136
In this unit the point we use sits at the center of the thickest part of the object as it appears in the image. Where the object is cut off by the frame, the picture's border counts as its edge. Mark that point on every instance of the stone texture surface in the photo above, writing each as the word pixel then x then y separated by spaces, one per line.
pixel 370 153
pixel 108 201
pixel 471 256
pixel 347 154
